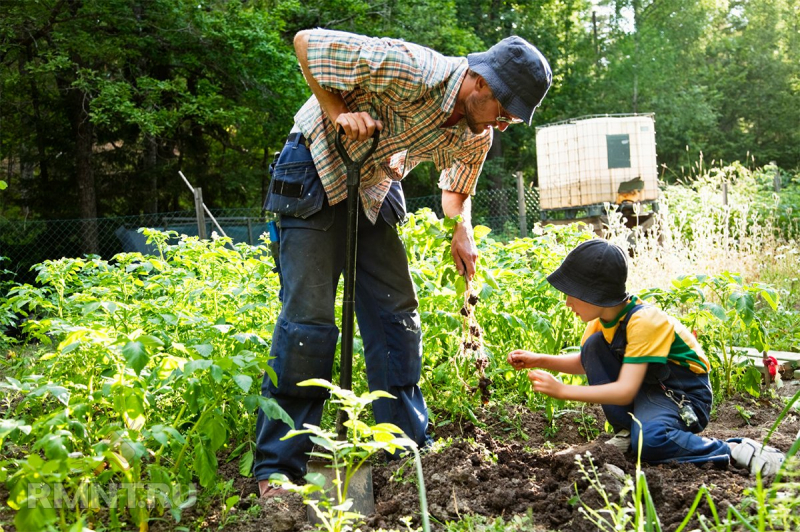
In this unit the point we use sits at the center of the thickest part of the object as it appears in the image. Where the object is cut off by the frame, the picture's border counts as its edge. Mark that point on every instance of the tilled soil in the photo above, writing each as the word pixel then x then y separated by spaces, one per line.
pixel 510 468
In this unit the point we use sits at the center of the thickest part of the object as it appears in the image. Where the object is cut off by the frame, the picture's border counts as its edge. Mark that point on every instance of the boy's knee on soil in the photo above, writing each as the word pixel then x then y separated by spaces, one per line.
pixel 655 441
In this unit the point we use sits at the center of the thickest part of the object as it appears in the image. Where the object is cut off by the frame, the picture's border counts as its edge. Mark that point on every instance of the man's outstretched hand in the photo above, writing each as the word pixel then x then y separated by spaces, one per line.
pixel 464 251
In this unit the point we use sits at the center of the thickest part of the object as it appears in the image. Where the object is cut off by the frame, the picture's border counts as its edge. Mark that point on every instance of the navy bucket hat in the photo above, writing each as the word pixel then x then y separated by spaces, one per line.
pixel 594 272
pixel 518 74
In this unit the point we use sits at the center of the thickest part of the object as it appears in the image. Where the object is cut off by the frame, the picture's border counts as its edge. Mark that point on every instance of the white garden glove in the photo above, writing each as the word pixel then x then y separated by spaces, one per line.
pixel 756 457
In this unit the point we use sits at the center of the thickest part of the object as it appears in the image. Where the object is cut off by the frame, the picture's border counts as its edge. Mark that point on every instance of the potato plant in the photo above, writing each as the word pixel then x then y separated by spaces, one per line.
pixel 141 371
pixel 517 308
pixel 147 368
pixel 724 312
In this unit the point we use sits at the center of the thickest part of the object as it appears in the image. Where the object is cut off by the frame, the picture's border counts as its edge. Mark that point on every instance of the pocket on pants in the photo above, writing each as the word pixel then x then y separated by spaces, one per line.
pixel 393 209
pixel 404 340
pixel 302 352
pixel 295 189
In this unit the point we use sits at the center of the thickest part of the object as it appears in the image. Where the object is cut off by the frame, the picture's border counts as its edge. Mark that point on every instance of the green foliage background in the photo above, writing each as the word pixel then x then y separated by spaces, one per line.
pixel 102 101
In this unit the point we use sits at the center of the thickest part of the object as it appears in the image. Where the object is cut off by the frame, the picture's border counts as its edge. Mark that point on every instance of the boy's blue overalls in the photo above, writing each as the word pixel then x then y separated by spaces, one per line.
pixel 312 249
pixel 665 436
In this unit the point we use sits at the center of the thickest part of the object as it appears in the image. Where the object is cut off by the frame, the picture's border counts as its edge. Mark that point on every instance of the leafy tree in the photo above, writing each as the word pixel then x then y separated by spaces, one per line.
pixel 103 101
pixel 131 92
pixel 755 64
pixel 704 68
pixel 562 31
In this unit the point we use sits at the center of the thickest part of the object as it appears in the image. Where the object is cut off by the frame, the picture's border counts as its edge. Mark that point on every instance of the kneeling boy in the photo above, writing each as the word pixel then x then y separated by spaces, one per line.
pixel 638 360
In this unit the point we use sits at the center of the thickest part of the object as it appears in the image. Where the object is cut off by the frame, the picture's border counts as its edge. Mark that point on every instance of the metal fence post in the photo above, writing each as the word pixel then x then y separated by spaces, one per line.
pixel 201 217
pixel 523 222
pixel 725 193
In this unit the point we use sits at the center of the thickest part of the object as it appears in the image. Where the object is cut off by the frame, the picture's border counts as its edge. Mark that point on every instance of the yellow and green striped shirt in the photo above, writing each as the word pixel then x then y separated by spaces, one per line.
pixel 653 337
pixel 412 90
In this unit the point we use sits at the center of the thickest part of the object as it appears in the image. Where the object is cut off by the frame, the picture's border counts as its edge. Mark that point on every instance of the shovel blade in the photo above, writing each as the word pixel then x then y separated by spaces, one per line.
pixel 360 488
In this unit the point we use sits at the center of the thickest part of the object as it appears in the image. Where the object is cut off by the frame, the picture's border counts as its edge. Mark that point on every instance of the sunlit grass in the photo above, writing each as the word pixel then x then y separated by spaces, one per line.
pixel 699 230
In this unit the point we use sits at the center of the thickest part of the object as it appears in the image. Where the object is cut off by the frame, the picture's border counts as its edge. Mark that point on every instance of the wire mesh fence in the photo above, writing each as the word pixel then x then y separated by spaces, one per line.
pixel 497 209
pixel 25 243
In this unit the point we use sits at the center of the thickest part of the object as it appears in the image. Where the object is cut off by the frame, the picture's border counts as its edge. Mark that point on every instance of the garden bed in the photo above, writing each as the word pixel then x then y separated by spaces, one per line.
pixel 145 372
pixel 506 469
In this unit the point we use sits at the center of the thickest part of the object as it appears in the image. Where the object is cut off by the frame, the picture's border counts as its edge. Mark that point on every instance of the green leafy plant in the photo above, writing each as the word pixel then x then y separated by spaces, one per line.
pixel 773 508
pixel 631 509
pixel 553 410
pixel 517 307
pixel 587 424
pixel 143 365
pixel 723 311
pixel 744 413
pixel 618 511
pixel 345 457
pixel 475 523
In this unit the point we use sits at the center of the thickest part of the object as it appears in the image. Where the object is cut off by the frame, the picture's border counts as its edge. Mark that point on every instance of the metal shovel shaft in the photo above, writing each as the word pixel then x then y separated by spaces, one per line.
pixel 351 249
pixel 348 303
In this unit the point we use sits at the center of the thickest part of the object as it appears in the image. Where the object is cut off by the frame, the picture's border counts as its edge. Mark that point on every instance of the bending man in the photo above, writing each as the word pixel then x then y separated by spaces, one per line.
pixel 428 107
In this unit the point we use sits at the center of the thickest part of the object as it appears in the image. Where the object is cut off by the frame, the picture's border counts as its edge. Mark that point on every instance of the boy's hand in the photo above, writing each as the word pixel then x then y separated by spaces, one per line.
pixel 545 383
pixel 520 359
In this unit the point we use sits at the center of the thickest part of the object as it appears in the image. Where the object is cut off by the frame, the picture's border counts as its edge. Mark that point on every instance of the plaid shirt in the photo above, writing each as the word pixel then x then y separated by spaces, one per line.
pixel 412 90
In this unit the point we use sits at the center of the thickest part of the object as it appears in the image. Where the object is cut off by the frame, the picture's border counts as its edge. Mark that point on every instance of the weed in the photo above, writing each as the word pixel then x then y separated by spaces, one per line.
pixel 745 414
pixel 479 523
pixel 587 424
pixel 763 509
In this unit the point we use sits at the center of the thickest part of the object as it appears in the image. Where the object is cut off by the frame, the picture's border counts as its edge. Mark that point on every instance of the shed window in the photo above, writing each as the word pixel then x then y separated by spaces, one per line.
pixel 619 151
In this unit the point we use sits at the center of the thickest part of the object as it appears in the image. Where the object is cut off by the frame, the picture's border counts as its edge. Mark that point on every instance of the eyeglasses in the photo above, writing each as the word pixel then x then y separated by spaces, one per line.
pixel 502 116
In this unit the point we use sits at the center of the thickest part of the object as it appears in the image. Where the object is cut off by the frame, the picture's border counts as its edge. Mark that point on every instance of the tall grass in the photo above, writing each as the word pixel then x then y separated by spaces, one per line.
pixel 700 230
pixel 695 231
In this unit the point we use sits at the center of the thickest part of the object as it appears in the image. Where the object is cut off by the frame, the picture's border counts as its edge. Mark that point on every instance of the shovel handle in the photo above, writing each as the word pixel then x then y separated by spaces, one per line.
pixel 349 163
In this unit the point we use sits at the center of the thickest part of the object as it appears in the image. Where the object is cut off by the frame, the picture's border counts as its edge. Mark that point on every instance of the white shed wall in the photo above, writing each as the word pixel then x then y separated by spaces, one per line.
pixel 572 161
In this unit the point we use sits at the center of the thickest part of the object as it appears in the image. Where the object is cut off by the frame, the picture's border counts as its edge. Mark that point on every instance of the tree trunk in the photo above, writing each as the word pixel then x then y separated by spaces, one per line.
pixel 637 27
pixel 151 173
pixel 265 177
pixel 41 141
pixel 84 139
